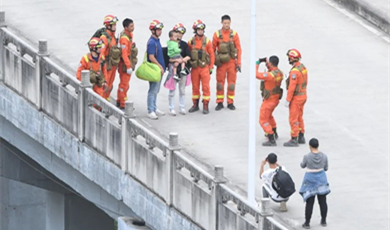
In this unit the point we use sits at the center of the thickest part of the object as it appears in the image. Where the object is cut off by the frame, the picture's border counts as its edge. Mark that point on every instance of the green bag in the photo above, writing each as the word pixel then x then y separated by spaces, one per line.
pixel 148 71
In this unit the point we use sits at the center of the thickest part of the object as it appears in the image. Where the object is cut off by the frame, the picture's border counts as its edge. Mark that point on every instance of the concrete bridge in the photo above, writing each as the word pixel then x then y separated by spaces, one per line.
pixel 110 157
pixel 347 109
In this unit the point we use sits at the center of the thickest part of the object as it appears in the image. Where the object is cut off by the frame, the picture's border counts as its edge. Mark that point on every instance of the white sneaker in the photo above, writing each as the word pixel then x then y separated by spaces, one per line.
pixel 172 112
pixel 182 112
pixel 176 77
pixel 159 112
pixel 152 116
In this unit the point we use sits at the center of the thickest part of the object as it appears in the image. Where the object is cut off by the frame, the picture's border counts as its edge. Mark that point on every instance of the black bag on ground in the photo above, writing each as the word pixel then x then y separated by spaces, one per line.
pixel 282 183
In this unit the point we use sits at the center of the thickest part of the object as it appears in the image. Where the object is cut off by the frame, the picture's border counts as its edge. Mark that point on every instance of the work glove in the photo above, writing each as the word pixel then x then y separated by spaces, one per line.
pixel 257 62
pixel 287 104
pixel 262 60
pixel 211 71
pixel 129 71
pixel 238 68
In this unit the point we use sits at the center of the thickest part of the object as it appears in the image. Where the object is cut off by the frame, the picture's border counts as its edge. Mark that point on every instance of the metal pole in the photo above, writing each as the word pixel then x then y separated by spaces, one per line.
pixel 252 110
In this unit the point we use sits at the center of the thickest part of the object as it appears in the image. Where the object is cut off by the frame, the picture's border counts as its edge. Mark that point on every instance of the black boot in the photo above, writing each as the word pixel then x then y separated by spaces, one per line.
pixel 293 142
pixel 195 107
pixel 231 106
pixel 271 141
pixel 301 138
pixel 205 107
pixel 219 106
pixel 276 133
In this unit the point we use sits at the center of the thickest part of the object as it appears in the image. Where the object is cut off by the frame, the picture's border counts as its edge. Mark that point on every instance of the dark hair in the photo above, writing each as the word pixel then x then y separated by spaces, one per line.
pixel 225 17
pixel 127 22
pixel 274 60
pixel 171 33
pixel 314 143
pixel 272 158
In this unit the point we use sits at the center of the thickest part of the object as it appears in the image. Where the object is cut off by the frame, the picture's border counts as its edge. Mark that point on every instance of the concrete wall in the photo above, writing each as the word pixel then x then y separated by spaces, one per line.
pixel 30 208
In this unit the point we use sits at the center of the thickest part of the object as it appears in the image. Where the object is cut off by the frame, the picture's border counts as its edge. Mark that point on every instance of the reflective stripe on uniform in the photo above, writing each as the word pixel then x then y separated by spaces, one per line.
pixel 220 96
pixel 230 97
pixel 195 96
pixel 86 58
pixel 206 97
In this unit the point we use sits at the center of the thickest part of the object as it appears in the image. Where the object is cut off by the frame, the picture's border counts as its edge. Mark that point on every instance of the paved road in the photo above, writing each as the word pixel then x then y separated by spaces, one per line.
pixel 347 108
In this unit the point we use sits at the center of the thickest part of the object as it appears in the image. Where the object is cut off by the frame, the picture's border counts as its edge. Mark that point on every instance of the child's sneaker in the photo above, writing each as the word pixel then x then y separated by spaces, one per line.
pixel 176 77
pixel 183 73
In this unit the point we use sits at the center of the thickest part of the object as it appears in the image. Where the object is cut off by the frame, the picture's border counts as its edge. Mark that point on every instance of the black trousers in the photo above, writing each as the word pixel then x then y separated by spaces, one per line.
pixel 310 204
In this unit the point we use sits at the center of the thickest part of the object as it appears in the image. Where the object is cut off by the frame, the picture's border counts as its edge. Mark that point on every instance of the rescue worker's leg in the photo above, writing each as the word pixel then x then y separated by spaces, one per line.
pixel 301 137
pixel 221 77
pixel 294 123
pixel 110 81
pixel 195 79
pixel 266 110
pixel 231 79
pixel 100 91
pixel 272 122
pixel 205 79
pixel 123 88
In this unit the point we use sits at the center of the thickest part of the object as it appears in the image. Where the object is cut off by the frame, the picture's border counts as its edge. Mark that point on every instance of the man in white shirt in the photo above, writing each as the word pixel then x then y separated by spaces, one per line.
pixel 267 176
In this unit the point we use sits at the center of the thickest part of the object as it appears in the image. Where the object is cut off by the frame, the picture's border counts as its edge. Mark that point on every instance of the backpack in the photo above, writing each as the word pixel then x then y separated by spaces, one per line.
pixel 166 57
pixel 282 183
pixel 100 32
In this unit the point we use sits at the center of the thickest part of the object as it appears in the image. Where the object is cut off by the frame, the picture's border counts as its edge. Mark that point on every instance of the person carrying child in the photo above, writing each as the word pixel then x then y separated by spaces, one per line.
pixel 174 55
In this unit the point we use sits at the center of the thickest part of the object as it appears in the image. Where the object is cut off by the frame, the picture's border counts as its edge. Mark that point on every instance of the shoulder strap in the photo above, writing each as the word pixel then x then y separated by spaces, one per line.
pixel 86 58
pixel 232 33
pixel 204 41
pixel 123 34
pixel 219 33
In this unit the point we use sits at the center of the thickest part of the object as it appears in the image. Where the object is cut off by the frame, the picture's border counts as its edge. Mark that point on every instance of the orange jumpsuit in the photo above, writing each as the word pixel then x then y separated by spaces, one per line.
pixel 227 69
pixel 105 51
pixel 199 74
pixel 297 97
pixel 126 43
pixel 85 64
pixel 271 80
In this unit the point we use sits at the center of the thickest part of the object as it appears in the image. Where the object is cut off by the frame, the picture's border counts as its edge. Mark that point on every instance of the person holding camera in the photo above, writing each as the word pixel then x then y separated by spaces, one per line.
pixel 271 93
pixel 268 178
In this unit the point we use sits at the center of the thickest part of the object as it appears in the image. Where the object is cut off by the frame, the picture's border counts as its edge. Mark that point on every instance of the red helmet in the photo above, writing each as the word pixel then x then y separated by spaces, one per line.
pixel 294 54
pixel 95 43
pixel 156 24
pixel 179 27
pixel 198 24
pixel 110 20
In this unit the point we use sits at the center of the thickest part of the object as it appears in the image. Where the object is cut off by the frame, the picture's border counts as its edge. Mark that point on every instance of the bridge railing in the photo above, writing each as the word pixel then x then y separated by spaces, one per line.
pixel 156 162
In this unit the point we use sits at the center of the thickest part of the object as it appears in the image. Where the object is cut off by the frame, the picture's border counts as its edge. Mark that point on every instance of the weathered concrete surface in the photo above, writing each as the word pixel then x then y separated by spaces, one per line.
pixel 83 169
pixel 376 12
pixel 346 110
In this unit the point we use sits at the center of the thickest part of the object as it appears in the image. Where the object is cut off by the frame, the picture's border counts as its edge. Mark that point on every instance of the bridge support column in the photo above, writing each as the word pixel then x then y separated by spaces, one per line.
pixel 85 83
pixel 129 113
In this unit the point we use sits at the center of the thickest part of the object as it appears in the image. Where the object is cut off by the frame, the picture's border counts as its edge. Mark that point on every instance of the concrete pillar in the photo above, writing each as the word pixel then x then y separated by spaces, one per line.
pixel 40 69
pixel 85 83
pixel 128 113
pixel 2 63
pixel 265 211
pixel 169 155
pixel 216 193
pixel 55 211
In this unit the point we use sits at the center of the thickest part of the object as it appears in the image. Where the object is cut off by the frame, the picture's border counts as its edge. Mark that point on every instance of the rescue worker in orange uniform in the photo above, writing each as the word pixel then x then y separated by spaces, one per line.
pixel 271 93
pixel 202 62
pixel 127 62
pixel 110 51
pixel 226 45
pixel 94 62
pixel 296 98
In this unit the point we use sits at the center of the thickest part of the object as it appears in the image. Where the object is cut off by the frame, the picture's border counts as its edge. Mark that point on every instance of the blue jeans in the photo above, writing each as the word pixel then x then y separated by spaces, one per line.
pixel 154 88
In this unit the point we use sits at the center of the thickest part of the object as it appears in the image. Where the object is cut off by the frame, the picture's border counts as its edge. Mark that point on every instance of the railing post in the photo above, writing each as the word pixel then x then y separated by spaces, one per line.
pixel 216 194
pixel 85 83
pixel 128 113
pixel 2 54
pixel 173 146
pixel 40 69
pixel 265 211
